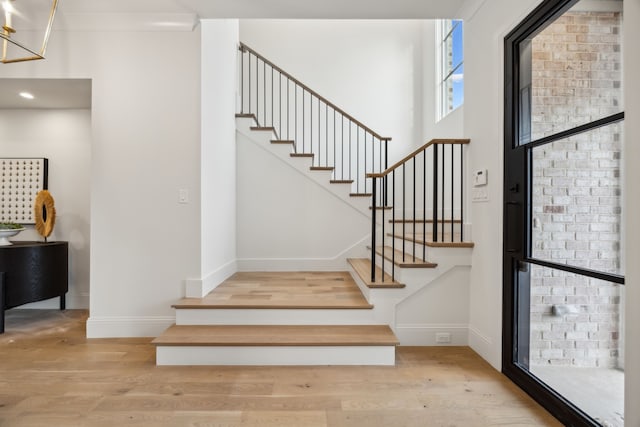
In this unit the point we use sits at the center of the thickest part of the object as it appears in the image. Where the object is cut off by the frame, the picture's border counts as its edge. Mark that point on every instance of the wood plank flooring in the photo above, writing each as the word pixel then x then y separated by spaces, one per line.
pixel 283 290
pixel 51 375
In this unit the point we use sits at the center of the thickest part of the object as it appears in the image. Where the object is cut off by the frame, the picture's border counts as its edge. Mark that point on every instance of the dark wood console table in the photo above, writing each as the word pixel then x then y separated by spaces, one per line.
pixel 32 271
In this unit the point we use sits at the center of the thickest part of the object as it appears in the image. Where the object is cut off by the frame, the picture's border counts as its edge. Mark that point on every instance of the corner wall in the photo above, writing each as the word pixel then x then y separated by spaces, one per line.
pixel 217 155
pixel 145 125
pixel 484 34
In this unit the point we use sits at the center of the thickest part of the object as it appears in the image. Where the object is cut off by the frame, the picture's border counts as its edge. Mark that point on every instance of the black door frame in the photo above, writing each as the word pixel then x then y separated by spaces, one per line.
pixel 517 222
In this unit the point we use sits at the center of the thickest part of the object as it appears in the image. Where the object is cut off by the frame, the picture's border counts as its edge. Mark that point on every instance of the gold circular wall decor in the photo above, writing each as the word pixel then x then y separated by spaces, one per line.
pixel 45 213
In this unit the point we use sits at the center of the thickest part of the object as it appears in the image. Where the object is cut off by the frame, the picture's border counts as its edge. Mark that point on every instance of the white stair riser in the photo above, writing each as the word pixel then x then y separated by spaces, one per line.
pixel 275 355
pixel 420 228
pixel 275 317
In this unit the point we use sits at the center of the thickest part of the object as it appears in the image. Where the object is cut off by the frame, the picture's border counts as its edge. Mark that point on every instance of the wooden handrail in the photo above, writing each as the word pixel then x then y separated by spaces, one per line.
pixel 415 153
pixel 244 47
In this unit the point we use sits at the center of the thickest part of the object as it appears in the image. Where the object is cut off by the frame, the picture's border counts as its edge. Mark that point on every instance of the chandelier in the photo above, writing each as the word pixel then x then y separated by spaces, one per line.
pixel 26 29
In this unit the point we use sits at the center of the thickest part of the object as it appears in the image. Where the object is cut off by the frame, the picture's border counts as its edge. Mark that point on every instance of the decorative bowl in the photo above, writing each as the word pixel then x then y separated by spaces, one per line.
pixel 6 233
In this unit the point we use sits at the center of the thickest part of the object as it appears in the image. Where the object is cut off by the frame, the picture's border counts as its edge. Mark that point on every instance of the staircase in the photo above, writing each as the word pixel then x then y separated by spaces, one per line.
pixel 352 317
pixel 299 318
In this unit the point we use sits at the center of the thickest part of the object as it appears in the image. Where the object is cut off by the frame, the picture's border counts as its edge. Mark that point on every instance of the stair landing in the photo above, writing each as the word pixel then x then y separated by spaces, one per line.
pixel 284 290
pixel 281 318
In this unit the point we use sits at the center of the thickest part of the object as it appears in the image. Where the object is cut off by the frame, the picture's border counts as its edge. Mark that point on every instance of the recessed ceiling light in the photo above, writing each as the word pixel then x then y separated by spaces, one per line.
pixel 27 95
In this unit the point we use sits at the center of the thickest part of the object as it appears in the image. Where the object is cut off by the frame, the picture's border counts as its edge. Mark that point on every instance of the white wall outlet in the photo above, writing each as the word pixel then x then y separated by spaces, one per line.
pixel 443 337
pixel 183 195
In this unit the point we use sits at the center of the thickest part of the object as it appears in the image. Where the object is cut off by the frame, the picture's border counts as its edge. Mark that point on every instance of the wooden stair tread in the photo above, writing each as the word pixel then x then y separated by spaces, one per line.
pixel 362 266
pixel 282 290
pixel 360 194
pixel 322 168
pixel 301 154
pixel 341 181
pixel 277 335
pixel 247 116
pixel 409 260
pixel 446 243
pixel 283 141
pixel 383 208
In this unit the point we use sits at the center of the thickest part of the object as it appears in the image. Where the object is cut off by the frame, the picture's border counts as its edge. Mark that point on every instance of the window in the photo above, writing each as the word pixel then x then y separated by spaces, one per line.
pixel 450 73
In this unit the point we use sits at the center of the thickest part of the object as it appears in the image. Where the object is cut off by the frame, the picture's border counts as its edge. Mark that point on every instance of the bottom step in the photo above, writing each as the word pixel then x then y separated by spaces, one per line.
pixel 276 345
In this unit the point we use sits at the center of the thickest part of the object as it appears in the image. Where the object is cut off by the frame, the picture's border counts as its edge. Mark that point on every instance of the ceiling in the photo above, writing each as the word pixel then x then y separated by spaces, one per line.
pixel 290 9
pixel 183 15
pixel 48 93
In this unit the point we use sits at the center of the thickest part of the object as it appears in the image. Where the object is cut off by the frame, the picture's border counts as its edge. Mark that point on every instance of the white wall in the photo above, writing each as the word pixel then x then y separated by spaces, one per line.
pixel 218 155
pixel 484 34
pixel 287 221
pixel 370 69
pixel 440 306
pixel 631 70
pixel 145 147
pixel 64 137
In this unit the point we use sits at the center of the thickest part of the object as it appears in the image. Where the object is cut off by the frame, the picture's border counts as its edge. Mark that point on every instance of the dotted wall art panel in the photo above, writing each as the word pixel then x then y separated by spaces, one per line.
pixel 20 182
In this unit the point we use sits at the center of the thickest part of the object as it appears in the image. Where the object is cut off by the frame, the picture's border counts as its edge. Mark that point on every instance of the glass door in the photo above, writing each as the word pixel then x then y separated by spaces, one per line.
pixel 563 266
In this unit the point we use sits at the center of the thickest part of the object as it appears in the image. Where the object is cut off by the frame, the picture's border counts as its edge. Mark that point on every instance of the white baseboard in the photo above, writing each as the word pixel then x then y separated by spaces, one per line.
pixel 425 334
pixel 276 356
pixel 484 346
pixel 198 288
pixel 291 264
pixel 127 327
pixel 336 263
pixel 73 302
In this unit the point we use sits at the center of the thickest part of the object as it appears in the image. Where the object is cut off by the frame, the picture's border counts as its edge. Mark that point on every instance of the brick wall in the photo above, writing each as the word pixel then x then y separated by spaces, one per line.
pixel 576 78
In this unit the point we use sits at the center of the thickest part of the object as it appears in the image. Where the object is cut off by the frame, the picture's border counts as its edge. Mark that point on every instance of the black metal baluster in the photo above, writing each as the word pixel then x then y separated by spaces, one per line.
pixel 365 160
pixel 311 126
pixel 280 106
pixel 241 81
pixel 452 191
pixel 350 149
pixel 335 164
pixel 326 135
pixel 386 165
pixel 382 241
pixel 373 231
pixel 257 90
pixel 342 144
pixel 434 214
pixel 319 135
pixel 404 208
pixel 424 206
pixel 358 161
pixel 461 194
pixel 393 229
pixel 414 209
pixel 443 191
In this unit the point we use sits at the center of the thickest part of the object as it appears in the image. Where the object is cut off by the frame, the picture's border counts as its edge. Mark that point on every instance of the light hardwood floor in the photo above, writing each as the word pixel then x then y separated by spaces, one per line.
pixel 283 290
pixel 51 375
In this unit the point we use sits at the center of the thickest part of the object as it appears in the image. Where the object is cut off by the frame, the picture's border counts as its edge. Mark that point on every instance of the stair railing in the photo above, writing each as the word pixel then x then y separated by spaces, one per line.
pixel 315 126
pixel 433 186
